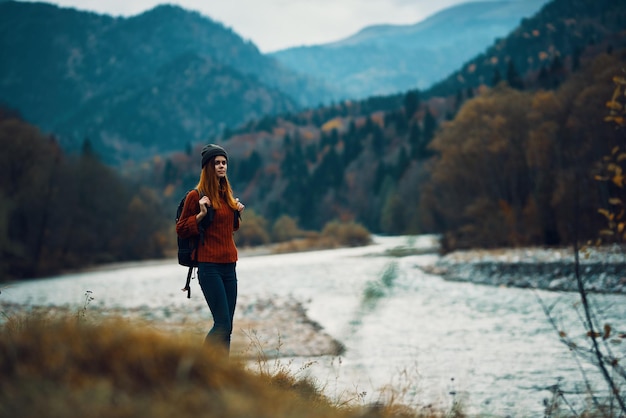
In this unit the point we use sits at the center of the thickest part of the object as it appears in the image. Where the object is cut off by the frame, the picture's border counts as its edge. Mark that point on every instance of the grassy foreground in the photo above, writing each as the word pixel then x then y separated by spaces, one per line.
pixel 73 367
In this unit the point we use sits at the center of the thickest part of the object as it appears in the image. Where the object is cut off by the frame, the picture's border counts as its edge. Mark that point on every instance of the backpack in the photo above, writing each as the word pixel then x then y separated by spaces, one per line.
pixel 186 246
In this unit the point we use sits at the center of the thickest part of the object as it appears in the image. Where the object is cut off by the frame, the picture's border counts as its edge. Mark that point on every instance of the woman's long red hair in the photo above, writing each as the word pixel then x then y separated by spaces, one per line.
pixel 215 187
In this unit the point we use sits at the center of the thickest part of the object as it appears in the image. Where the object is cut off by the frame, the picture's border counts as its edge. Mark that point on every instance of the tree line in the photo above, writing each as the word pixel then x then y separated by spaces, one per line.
pixel 60 212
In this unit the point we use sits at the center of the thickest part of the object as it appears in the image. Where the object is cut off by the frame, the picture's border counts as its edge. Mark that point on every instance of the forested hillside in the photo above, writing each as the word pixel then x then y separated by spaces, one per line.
pixel 59 212
pixel 141 85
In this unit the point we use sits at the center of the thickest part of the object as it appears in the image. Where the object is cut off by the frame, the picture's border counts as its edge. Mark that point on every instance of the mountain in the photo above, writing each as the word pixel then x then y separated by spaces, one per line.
pixel 543 47
pixel 159 80
pixel 385 59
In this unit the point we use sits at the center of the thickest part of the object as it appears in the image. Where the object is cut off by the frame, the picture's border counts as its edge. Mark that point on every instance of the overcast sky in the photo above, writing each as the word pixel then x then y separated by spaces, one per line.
pixel 278 24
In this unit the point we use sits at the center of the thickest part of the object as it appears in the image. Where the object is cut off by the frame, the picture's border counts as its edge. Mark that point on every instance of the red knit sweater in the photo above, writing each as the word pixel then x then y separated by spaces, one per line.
pixel 219 245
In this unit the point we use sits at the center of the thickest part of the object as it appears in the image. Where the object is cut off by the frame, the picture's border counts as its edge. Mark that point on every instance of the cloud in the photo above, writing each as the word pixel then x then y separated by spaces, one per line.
pixel 277 24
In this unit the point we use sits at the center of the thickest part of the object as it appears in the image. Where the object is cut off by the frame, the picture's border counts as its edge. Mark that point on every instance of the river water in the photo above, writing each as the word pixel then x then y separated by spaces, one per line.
pixel 410 335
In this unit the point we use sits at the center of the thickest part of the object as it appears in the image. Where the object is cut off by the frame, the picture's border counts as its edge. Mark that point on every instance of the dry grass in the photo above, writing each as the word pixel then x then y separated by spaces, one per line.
pixel 305 244
pixel 72 366
pixel 334 235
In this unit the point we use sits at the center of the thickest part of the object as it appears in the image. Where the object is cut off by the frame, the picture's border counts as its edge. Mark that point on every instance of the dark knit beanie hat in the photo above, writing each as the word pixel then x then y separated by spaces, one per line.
pixel 211 150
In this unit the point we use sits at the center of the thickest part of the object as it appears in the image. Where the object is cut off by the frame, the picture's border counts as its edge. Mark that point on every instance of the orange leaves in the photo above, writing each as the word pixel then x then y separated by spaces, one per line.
pixel 613 170
pixel 618 178
pixel 605 334
pixel 616 225
pixel 594 335
pixel 606 214
pixel 617 110
pixel 378 118
pixel 614 105
pixel 619 80
pixel 619 120
pixel 307 134
pixel 336 123
pixel 169 190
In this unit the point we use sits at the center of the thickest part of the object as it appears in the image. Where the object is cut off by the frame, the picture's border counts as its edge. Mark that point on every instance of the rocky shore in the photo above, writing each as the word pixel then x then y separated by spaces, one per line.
pixel 602 269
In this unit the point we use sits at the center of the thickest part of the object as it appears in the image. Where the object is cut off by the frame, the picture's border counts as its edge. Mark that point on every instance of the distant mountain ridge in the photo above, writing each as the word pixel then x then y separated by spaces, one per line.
pixel 82 75
pixel 543 46
pixel 448 26
pixel 385 59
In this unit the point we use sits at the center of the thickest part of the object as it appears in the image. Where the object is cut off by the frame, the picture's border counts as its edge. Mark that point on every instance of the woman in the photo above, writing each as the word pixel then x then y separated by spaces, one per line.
pixel 212 211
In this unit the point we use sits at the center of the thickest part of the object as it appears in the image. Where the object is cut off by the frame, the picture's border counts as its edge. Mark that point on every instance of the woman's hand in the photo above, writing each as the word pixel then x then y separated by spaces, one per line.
pixel 205 203
pixel 240 206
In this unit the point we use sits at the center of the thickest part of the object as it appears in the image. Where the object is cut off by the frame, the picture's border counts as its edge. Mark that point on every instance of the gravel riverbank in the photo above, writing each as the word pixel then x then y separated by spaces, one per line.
pixel 603 269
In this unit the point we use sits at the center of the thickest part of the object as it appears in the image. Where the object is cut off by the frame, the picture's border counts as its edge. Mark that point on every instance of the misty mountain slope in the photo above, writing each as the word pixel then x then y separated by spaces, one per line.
pixel 386 59
pixel 49 63
pixel 184 99
pixel 64 70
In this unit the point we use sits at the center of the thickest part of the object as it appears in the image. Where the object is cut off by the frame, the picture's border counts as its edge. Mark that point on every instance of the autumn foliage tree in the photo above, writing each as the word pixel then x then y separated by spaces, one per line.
pixel 513 167
pixel 481 170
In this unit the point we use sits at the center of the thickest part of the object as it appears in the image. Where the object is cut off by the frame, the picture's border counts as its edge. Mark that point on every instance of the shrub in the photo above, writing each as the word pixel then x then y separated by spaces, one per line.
pixel 285 228
pixel 349 234
pixel 253 230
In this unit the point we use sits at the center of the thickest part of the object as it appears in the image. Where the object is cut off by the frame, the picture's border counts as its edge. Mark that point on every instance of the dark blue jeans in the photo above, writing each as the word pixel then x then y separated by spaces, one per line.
pixel 219 285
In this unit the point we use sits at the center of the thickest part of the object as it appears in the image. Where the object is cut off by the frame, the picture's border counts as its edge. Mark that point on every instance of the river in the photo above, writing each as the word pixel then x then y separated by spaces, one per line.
pixel 407 333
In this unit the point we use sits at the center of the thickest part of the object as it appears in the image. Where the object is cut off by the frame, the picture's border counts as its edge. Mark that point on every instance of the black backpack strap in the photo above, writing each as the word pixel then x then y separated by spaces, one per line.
pixel 205 222
pixel 237 217
pixel 200 238
pixel 187 284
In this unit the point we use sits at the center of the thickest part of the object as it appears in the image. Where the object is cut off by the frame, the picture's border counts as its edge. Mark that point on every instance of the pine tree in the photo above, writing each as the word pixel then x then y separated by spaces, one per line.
pixel 513 78
pixel 411 103
pixel 497 78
